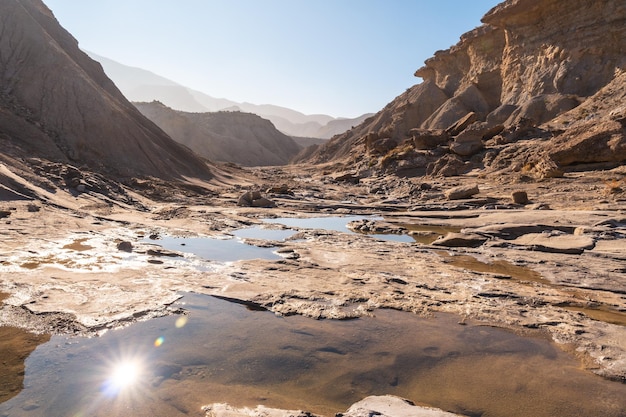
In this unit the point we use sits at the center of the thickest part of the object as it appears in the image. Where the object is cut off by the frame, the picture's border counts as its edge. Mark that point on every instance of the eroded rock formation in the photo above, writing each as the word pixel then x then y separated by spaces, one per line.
pixel 529 82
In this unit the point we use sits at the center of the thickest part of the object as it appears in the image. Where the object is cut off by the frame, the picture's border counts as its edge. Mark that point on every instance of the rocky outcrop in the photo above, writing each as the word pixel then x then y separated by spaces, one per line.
pixel 242 138
pixel 57 103
pixel 536 70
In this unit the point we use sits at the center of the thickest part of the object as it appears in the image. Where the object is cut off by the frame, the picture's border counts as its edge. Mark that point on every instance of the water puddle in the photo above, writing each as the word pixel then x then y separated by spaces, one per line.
pixel 600 313
pixel 15 346
pixel 334 223
pixel 338 224
pixel 504 269
pixel 279 235
pixel 216 249
pixel 427 234
pixel 223 352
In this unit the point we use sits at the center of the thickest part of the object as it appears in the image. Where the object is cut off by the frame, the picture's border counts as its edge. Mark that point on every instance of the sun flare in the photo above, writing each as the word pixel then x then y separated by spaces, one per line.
pixel 125 374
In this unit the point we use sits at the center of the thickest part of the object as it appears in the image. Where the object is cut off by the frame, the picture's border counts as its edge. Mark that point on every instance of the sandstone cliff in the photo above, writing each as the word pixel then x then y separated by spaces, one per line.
pixel 242 138
pixel 56 103
pixel 516 92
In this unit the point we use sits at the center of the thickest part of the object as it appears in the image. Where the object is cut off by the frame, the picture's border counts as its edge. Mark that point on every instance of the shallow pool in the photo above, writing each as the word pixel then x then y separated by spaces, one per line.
pixel 224 249
pixel 224 352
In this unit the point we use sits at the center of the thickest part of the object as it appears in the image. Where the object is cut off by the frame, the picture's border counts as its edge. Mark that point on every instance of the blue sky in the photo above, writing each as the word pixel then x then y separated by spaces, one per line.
pixel 337 57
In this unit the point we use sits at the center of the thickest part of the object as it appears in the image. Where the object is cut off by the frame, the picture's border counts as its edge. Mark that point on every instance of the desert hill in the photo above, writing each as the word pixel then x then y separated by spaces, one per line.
pixel 57 103
pixel 242 138
pixel 139 85
pixel 538 89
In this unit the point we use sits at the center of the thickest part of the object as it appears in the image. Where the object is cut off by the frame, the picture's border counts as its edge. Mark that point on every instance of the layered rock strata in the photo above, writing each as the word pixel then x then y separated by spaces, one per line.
pixel 535 70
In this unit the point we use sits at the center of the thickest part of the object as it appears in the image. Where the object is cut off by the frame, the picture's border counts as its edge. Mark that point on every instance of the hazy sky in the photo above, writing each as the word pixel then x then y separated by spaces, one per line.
pixel 337 57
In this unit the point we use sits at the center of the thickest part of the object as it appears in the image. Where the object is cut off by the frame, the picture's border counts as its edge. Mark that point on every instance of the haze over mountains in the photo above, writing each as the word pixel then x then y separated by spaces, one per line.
pixel 224 136
pixel 57 103
pixel 144 86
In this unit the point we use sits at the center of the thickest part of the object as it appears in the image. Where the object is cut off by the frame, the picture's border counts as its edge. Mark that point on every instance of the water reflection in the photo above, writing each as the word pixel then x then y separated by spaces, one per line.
pixel 334 223
pixel 223 352
pixel 224 249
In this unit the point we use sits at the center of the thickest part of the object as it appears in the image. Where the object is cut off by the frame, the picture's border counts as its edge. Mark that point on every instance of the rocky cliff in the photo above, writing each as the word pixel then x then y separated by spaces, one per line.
pixel 242 138
pixel 539 87
pixel 56 103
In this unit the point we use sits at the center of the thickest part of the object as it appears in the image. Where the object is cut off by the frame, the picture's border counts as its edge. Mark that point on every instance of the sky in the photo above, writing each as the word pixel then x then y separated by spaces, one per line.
pixel 338 57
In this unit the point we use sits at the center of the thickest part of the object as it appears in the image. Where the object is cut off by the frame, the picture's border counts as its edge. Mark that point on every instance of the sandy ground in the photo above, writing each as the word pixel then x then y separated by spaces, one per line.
pixel 556 265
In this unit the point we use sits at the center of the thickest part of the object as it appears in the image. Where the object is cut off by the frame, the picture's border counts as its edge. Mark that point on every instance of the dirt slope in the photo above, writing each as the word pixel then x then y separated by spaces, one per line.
pixel 57 103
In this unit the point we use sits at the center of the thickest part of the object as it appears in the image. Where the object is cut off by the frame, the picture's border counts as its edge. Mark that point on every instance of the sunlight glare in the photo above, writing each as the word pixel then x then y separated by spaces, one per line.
pixel 125 374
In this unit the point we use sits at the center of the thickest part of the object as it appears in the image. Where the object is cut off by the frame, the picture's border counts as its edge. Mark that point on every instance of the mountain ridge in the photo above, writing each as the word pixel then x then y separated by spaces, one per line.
pixel 132 82
pixel 242 138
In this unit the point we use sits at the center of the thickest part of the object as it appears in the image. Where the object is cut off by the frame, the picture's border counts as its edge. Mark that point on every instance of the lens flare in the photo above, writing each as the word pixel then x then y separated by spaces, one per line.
pixel 125 374
pixel 159 341
pixel 181 321
pixel 123 377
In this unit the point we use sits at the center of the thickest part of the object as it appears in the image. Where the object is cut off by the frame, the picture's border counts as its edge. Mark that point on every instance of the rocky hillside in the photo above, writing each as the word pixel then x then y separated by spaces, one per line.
pixel 538 89
pixel 242 138
pixel 56 103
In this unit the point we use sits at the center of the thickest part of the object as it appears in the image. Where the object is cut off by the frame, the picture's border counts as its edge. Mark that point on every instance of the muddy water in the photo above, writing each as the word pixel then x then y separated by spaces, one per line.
pixel 15 346
pixel 224 352
pixel 498 267
pixel 507 270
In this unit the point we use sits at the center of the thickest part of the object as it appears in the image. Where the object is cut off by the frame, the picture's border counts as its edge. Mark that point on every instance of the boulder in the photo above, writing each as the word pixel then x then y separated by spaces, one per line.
pixel 391 406
pixel 462 124
pixel 590 142
pixel 448 166
pixel 263 202
pixel 125 246
pixel 519 197
pixel 376 405
pixel 428 139
pixel 254 199
pixel 380 146
pixel 462 192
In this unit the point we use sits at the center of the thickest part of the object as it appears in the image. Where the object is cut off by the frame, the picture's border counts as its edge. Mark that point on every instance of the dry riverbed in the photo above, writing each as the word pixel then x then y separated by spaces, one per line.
pixel 548 268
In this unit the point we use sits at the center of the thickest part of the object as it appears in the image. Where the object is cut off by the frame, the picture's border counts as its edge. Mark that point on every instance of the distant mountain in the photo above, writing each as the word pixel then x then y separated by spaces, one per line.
pixel 242 138
pixel 144 86
pixel 57 103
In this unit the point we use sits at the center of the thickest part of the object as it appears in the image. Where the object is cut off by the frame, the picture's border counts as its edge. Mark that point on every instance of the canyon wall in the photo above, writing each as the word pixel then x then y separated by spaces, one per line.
pixel 532 63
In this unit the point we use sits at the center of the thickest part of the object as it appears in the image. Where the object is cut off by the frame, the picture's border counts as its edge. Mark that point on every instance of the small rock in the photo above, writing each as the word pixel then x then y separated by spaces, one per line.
pixel 520 197
pixel 81 187
pixel 4 213
pixel 125 246
pixel 462 192
pixel 33 208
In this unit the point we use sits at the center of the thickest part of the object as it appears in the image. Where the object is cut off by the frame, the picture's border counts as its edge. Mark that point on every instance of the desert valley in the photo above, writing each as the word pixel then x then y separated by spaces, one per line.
pixel 460 252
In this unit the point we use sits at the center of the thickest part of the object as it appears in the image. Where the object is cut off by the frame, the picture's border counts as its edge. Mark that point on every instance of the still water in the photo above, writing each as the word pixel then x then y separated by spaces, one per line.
pixel 224 352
